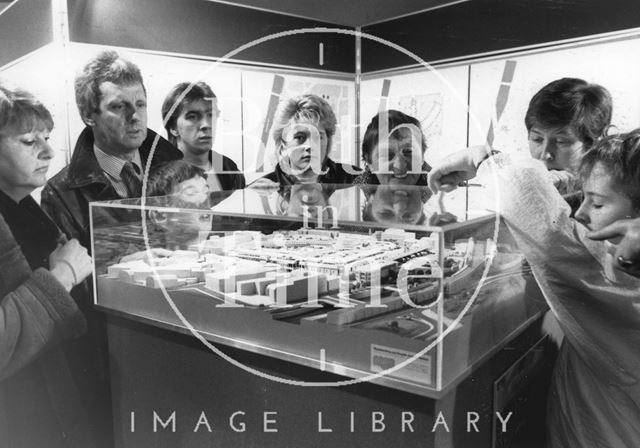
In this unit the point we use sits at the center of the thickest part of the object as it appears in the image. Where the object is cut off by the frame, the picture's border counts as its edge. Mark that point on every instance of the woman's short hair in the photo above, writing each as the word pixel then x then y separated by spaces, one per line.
pixel 620 154
pixel 572 102
pixel 394 119
pixel 168 175
pixel 21 112
pixel 183 93
pixel 107 66
pixel 306 108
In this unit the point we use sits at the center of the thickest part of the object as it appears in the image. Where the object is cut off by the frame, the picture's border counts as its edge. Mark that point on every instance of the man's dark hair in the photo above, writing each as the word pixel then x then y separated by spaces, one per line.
pixel 394 118
pixel 179 95
pixel 572 102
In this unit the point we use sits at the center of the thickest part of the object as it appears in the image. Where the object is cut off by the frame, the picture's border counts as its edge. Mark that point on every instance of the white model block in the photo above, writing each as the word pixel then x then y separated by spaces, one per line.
pixel 298 290
pixel 198 274
pixel 333 283
pixel 157 281
pixel 246 288
pixel 226 281
pixel 276 290
pixel 240 237
pixel 182 282
pixel 220 281
pixel 292 291
pixel 261 284
pixel 140 274
pixel 126 276
pixel 113 271
pixel 322 283
pixel 179 270
pixel 186 254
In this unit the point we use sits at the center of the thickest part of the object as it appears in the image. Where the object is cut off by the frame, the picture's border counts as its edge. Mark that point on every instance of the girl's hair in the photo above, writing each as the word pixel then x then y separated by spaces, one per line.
pixel 620 154
pixel 166 176
pixel 395 119
pixel 21 112
pixel 571 102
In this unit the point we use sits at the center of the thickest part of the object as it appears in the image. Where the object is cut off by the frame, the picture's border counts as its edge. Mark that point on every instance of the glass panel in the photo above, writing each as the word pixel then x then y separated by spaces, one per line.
pixel 355 280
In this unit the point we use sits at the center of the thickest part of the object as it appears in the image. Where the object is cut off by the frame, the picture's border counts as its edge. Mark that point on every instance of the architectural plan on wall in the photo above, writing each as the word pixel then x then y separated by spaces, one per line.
pixel 436 98
pixel 614 65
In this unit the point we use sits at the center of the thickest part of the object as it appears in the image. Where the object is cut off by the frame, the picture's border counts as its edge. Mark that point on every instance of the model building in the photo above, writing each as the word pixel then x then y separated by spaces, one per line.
pixel 360 274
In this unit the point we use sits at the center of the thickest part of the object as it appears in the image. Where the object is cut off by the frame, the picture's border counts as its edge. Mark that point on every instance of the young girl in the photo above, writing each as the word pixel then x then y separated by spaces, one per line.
pixel 183 186
pixel 595 393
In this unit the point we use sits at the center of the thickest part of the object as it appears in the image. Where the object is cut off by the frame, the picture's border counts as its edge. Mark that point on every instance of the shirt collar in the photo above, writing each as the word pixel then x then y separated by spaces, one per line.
pixel 112 165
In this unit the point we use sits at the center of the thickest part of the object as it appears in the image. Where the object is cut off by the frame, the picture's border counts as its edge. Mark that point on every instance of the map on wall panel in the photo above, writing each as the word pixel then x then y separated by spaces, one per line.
pixel 437 99
pixel 262 95
pixel 613 65
pixel 428 109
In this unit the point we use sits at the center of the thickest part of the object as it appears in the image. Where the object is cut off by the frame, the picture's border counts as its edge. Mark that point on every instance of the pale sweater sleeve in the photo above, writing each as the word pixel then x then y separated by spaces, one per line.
pixel 597 307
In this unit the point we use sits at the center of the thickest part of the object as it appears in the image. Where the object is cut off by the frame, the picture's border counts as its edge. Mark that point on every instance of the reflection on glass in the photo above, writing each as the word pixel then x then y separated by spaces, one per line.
pixel 390 204
pixel 185 222
pixel 404 205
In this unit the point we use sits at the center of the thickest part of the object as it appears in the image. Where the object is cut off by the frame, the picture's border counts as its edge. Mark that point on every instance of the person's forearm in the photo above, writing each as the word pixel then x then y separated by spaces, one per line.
pixel 527 200
pixel 36 315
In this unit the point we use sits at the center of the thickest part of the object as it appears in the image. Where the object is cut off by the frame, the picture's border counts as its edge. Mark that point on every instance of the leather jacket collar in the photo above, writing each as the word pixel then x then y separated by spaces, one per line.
pixel 85 170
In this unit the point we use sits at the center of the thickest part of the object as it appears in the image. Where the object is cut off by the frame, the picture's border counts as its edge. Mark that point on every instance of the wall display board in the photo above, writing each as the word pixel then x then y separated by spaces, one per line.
pixel 437 98
pixel 614 65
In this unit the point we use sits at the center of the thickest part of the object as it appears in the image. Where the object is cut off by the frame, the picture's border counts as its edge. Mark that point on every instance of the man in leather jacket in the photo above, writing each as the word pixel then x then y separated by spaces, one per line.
pixel 112 102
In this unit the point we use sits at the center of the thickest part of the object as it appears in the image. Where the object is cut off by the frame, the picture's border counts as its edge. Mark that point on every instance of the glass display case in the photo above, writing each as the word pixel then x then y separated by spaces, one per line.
pixel 380 283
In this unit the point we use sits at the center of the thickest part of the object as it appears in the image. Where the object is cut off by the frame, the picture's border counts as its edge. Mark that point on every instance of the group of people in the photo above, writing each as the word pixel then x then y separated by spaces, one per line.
pixel 594 398
pixel 54 388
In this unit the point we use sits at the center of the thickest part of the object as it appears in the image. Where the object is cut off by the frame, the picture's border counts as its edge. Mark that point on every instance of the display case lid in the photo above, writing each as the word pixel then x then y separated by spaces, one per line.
pixel 377 206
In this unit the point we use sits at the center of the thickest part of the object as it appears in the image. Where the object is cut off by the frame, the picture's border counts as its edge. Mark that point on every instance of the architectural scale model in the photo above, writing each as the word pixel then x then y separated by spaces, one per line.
pixel 361 275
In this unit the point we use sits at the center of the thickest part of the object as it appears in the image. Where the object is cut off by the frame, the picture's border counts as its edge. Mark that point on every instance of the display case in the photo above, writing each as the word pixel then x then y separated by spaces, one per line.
pixel 386 284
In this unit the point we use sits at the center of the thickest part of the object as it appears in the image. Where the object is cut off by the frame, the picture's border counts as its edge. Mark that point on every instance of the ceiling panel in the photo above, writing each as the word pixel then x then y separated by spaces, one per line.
pixel 351 13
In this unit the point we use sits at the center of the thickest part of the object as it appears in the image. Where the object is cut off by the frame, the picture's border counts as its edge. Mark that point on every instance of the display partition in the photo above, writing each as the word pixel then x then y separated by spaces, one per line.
pixel 500 89
pixel 250 80
pixel 496 91
pixel 465 104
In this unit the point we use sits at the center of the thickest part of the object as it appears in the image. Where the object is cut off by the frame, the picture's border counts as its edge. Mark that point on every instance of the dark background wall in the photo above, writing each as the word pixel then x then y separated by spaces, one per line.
pixel 210 29
pixel 24 27
pixel 482 26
